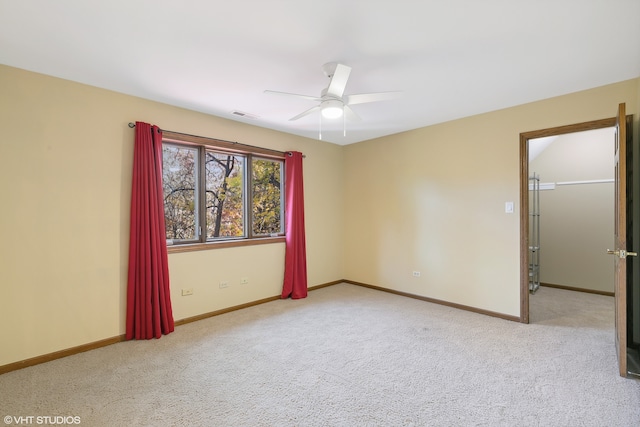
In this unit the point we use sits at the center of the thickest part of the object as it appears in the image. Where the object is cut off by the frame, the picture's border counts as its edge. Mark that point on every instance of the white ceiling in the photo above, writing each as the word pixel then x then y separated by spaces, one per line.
pixel 450 58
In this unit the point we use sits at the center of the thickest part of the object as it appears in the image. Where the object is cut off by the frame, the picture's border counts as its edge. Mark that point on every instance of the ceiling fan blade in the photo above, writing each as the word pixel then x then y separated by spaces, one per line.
pixel 305 113
pixel 350 114
pixel 310 98
pixel 371 97
pixel 339 81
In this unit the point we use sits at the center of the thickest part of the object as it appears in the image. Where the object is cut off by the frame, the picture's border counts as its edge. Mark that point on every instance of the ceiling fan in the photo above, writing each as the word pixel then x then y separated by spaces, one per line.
pixel 333 103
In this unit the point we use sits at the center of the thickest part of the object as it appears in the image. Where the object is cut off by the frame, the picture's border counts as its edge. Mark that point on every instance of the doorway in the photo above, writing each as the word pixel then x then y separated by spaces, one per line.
pixel 524 197
pixel 571 211
pixel 627 323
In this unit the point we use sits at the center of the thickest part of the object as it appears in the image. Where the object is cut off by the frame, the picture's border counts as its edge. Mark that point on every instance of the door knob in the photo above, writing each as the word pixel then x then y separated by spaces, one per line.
pixel 621 253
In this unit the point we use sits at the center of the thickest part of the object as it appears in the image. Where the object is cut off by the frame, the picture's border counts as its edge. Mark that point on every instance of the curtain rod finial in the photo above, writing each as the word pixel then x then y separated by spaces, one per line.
pixel 132 125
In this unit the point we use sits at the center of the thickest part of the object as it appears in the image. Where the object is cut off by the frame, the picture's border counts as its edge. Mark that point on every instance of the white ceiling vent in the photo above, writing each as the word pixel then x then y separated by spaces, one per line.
pixel 243 114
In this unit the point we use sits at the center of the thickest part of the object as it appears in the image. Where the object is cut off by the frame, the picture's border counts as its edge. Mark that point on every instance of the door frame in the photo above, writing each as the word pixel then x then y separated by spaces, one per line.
pixel 524 196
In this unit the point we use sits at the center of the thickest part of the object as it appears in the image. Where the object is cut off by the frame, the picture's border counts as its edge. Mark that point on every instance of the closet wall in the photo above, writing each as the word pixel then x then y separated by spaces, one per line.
pixel 576 215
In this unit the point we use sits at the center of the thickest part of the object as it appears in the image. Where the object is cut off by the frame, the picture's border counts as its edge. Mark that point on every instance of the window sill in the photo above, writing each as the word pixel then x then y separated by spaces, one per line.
pixel 172 249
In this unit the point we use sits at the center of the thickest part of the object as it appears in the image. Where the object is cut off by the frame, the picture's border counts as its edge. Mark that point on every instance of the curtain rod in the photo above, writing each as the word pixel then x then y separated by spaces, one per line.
pixel 133 125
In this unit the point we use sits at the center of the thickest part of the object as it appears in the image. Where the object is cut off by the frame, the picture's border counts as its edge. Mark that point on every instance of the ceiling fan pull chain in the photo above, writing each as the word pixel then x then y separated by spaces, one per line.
pixel 320 129
pixel 344 123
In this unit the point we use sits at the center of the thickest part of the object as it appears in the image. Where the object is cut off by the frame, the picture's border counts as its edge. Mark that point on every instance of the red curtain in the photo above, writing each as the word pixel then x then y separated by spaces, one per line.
pixel 295 261
pixel 148 298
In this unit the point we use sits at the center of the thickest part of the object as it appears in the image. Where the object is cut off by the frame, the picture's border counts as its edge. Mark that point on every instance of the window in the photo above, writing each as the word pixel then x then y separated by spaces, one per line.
pixel 267 196
pixel 224 195
pixel 213 194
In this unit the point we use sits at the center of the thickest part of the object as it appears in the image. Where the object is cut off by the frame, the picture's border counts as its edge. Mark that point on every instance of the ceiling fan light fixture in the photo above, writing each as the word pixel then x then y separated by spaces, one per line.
pixel 332 109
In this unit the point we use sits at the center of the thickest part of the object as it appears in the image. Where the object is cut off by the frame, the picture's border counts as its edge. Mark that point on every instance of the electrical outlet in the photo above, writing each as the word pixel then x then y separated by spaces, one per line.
pixel 244 281
pixel 224 285
pixel 186 292
pixel 416 274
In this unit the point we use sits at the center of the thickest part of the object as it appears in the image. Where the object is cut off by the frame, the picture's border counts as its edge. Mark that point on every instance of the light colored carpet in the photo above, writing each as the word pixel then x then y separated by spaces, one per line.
pixel 349 356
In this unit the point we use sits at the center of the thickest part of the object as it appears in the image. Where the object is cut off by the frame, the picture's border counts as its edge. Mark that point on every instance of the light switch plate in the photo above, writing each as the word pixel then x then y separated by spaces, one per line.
pixel 508 207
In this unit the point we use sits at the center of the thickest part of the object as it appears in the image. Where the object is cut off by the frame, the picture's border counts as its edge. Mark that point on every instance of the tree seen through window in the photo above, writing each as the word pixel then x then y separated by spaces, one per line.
pixel 211 195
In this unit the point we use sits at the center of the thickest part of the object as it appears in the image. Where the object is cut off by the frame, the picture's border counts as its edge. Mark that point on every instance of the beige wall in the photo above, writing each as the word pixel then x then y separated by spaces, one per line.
pixel 65 181
pixel 576 221
pixel 432 200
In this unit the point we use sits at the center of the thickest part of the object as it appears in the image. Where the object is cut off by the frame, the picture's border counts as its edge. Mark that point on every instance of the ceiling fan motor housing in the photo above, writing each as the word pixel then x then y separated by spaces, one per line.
pixel 332 108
